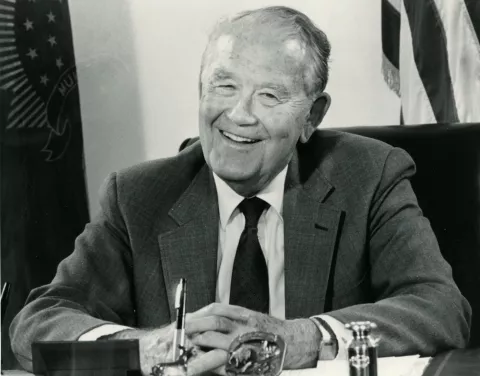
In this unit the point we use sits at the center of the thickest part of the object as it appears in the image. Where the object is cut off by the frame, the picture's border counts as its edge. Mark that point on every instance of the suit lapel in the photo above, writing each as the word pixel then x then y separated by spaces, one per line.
pixel 190 250
pixel 310 228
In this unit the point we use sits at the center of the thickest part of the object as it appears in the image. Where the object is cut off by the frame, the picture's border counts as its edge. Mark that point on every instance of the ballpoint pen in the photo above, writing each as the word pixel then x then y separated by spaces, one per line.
pixel 179 333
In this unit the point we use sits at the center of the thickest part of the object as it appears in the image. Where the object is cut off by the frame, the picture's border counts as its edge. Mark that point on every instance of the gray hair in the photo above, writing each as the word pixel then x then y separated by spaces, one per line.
pixel 298 26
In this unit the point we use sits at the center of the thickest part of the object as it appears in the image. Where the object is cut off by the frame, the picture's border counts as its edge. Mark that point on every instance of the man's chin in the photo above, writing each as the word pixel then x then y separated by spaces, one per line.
pixel 240 180
pixel 233 176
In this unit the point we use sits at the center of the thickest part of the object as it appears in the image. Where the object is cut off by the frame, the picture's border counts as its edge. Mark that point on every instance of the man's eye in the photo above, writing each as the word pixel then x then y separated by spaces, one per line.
pixel 225 89
pixel 269 99
pixel 269 96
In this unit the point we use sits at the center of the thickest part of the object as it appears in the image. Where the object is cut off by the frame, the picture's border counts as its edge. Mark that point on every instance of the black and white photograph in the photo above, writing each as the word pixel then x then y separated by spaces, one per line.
pixel 240 188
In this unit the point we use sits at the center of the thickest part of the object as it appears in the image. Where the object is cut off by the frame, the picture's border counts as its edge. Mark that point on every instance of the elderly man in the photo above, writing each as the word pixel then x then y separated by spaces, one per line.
pixel 276 226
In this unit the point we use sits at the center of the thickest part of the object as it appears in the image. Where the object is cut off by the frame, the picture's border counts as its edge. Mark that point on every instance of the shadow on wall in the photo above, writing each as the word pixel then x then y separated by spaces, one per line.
pixel 109 94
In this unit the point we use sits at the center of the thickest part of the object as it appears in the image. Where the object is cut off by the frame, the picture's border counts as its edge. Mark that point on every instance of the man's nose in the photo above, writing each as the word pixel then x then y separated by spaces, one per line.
pixel 241 113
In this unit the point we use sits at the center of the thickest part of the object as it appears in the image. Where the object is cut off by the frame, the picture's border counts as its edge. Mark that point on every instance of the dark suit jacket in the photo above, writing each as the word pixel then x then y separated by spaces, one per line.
pixel 356 244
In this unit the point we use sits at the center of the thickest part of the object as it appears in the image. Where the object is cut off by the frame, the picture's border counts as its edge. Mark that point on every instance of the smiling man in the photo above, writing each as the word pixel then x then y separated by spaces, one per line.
pixel 276 226
pixel 255 105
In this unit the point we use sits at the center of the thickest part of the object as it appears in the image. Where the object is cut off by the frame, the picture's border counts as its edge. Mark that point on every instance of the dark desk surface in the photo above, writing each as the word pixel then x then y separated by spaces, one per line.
pixel 451 363
pixel 455 363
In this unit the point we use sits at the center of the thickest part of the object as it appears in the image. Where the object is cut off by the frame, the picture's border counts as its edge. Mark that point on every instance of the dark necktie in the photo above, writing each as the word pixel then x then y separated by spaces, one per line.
pixel 249 286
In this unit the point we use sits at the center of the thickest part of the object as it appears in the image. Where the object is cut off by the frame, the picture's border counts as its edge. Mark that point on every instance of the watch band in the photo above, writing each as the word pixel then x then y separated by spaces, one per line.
pixel 329 345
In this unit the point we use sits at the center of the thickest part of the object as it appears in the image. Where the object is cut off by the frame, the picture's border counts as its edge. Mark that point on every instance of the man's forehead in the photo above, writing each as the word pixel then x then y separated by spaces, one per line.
pixel 225 43
pixel 234 42
pixel 294 48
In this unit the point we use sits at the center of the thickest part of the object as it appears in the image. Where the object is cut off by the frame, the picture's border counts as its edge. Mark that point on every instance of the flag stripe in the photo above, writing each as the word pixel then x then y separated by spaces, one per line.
pixel 21 105
pixel 8 57
pixel 6 49
pixel 21 117
pixel 7 8
pixel 416 107
pixel 10 83
pixel 390 32
pixel 36 123
pixel 36 111
pixel 20 95
pixel 463 58
pixel 23 82
pixel 430 54
pixel 10 74
pixel 43 123
pixel 10 66
pixel 473 8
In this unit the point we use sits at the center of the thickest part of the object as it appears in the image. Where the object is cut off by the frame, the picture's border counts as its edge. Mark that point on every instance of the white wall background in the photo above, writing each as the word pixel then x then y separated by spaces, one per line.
pixel 138 64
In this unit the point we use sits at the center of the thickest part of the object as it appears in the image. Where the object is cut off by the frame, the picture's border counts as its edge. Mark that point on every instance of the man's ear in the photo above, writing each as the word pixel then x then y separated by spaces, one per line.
pixel 319 108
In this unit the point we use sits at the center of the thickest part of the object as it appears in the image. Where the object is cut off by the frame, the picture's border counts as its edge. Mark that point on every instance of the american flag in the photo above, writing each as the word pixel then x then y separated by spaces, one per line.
pixel 431 58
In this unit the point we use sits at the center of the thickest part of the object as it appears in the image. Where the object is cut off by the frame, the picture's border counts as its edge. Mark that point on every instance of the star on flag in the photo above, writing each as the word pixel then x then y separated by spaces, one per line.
pixel 32 53
pixel 28 24
pixel 44 79
pixel 51 17
pixel 52 40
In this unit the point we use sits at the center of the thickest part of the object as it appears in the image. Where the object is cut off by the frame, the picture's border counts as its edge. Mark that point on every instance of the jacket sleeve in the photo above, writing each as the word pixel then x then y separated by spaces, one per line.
pixel 92 287
pixel 416 304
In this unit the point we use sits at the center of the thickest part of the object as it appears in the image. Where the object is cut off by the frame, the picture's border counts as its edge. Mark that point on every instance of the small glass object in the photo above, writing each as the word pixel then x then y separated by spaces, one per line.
pixel 362 349
pixel 256 354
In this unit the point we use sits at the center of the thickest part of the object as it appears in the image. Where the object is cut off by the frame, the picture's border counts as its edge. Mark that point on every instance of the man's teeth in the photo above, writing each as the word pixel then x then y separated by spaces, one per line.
pixel 238 138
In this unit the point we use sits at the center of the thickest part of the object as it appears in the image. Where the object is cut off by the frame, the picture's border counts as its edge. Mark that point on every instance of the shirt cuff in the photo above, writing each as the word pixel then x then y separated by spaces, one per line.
pixel 100 331
pixel 343 335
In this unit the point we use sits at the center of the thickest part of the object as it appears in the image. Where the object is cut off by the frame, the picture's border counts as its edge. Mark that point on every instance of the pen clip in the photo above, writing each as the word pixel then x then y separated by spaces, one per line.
pixel 180 293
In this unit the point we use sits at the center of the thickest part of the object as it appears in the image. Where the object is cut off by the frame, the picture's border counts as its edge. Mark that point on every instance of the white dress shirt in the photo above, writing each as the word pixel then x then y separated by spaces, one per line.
pixel 271 238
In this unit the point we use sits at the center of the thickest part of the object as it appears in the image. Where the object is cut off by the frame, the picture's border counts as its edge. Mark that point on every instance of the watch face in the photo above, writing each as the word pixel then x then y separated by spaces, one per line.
pixel 256 354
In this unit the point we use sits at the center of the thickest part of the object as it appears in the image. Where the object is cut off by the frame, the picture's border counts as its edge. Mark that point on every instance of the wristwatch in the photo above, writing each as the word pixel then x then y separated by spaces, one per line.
pixel 328 348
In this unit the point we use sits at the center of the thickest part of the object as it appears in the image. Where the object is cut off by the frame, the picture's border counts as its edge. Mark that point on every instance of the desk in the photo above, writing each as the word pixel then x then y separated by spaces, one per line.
pixel 450 363
pixel 455 363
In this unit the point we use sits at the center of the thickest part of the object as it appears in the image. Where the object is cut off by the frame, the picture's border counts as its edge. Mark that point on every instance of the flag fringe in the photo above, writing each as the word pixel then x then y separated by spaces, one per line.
pixel 391 75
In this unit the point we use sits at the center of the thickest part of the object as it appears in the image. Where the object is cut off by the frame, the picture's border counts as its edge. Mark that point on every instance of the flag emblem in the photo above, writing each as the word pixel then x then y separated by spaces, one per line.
pixel 38 69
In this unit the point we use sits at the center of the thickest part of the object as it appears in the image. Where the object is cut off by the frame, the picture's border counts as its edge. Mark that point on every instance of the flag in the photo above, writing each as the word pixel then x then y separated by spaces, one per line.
pixel 43 190
pixel 431 58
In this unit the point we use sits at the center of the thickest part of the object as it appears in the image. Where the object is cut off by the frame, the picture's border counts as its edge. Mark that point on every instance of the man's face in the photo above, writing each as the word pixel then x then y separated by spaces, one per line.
pixel 253 106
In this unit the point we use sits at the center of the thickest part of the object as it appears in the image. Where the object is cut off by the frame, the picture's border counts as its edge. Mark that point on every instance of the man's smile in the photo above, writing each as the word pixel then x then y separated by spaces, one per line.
pixel 239 139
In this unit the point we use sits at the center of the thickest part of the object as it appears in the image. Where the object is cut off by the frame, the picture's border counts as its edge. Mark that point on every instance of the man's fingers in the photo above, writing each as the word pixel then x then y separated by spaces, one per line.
pixel 213 340
pixel 207 362
pixel 209 323
pixel 230 311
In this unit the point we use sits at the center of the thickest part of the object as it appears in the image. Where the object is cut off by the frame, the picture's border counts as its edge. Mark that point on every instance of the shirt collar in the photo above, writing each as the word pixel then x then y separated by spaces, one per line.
pixel 228 199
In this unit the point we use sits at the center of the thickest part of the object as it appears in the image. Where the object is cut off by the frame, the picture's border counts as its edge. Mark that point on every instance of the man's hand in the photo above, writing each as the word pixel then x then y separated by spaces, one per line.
pixel 156 346
pixel 217 325
pixel 212 329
